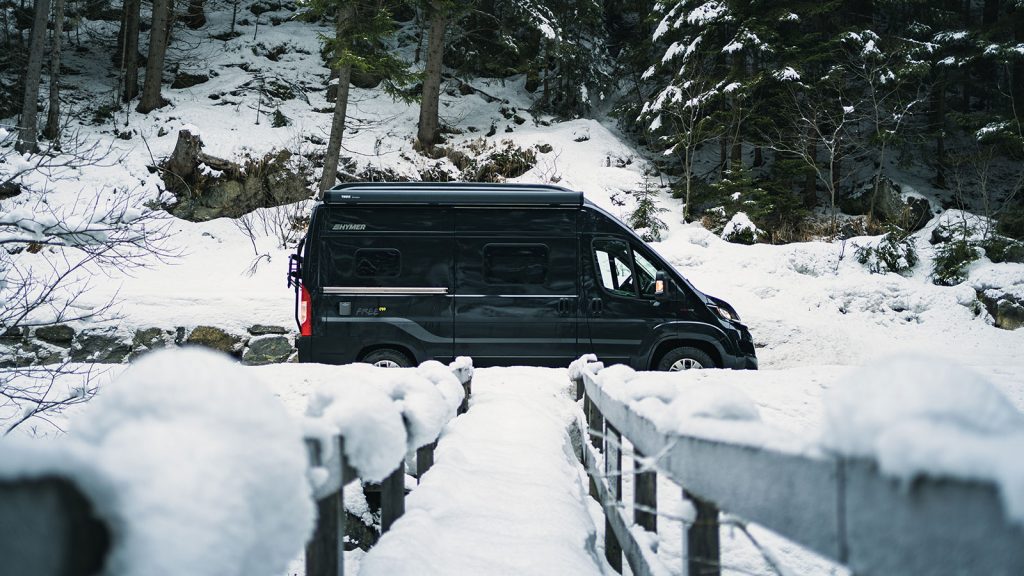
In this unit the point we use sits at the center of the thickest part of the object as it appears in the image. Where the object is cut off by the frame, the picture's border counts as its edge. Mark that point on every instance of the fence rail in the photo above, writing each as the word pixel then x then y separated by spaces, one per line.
pixel 48 526
pixel 841 508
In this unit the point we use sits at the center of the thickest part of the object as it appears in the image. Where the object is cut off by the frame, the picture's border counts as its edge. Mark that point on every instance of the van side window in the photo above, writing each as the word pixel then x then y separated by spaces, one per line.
pixel 614 266
pixel 378 263
pixel 515 263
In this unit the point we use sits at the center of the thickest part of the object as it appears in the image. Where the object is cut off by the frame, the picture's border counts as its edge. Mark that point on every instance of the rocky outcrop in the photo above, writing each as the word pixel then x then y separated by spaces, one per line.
pixel 206 187
pixel 21 347
pixel 888 205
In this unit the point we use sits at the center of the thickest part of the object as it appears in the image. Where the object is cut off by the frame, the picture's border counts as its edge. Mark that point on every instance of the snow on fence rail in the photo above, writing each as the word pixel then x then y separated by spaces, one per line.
pixel 834 503
pixel 185 465
pixel 365 449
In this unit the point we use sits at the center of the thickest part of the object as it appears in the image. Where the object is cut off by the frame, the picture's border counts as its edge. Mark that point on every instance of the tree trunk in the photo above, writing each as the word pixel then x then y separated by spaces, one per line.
pixel 130 54
pixel 196 16
pixel 429 126
pixel 28 133
pixel 939 126
pixel 151 98
pixel 1017 74
pixel 811 182
pixel 723 155
pixel 52 129
pixel 346 12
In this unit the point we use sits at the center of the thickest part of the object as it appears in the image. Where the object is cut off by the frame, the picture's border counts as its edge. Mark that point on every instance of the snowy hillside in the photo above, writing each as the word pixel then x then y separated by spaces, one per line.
pixel 807 304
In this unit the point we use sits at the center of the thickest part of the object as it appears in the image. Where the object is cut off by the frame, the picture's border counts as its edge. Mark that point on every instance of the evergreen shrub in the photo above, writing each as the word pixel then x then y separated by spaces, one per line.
pixel 893 253
pixel 949 267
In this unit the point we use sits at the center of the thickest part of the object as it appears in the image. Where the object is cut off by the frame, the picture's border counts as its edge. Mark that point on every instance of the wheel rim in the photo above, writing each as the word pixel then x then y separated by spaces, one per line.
pixel 685 364
pixel 386 364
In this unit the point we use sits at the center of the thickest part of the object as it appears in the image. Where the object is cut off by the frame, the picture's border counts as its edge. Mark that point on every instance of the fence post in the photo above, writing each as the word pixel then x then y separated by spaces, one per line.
pixel 702 545
pixel 392 498
pixel 425 459
pixel 645 495
pixel 325 552
pixel 613 475
pixel 49 528
pixel 467 388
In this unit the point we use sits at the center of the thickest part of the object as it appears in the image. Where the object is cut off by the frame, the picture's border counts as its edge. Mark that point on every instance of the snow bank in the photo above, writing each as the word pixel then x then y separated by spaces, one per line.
pixel 196 466
pixel 919 415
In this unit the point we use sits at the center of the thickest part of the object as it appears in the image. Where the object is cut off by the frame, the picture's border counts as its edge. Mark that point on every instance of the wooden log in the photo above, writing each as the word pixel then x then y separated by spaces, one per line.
pixel 48 528
pixel 613 474
pixel 645 496
pixel 392 498
pixel 702 543
pixel 425 459
pixel 325 552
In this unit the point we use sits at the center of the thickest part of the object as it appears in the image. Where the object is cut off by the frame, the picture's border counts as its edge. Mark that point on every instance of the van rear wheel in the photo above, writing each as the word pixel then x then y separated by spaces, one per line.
pixel 387 358
pixel 685 358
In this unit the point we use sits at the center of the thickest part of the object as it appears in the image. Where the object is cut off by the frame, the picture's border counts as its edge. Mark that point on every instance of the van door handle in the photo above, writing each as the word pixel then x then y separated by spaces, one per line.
pixel 564 307
pixel 596 306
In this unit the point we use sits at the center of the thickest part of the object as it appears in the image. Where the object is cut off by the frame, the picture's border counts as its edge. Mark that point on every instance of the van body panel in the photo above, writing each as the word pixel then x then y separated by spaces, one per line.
pixel 516 285
pixel 385 281
pixel 506 274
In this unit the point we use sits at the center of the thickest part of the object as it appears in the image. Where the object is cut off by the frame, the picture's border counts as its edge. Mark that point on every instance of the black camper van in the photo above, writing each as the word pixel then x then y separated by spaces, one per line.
pixel 508 274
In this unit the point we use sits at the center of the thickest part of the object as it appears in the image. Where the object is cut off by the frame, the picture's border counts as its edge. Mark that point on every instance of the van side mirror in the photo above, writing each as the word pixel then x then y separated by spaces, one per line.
pixel 661 284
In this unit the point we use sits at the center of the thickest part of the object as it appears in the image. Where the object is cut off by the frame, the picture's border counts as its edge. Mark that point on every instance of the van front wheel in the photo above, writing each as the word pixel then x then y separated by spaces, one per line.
pixel 685 358
pixel 387 358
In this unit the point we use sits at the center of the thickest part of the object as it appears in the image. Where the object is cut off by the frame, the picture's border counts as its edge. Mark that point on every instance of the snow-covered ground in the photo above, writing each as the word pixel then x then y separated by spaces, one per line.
pixel 815 313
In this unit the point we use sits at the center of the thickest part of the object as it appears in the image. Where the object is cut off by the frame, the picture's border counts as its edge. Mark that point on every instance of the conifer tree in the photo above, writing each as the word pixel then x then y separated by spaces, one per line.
pixel 644 217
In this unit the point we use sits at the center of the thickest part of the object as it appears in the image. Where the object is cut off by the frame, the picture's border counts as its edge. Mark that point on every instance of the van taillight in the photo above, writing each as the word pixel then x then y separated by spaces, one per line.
pixel 305 312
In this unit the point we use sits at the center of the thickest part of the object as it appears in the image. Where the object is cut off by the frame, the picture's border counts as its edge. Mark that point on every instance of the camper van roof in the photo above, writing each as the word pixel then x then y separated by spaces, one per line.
pixel 452 193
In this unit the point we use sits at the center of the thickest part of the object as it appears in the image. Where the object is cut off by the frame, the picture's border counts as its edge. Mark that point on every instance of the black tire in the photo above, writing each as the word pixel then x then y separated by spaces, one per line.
pixel 388 358
pixel 685 358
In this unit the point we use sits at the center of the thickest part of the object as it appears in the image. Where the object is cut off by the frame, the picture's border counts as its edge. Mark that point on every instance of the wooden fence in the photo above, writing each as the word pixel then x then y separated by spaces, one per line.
pixel 48 527
pixel 325 550
pixel 843 509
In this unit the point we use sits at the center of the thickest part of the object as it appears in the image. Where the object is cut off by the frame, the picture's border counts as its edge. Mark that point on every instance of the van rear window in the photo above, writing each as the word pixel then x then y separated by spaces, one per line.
pixel 378 263
pixel 515 263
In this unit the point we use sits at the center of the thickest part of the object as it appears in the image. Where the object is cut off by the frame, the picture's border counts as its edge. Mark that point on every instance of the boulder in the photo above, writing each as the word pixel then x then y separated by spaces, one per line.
pixel 263 330
pixel 888 206
pixel 1009 314
pixel 101 345
pixel 215 338
pixel 269 349
pixel 187 80
pixel 1006 309
pixel 57 334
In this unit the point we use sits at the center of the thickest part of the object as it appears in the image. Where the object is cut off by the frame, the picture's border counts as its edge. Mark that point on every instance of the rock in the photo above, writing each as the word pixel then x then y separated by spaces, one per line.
pixel 14 334
pixel 544 148
pixel 1009 314
pixel 58 334
pixel 187 80
pixel 9 190
pixel 1006 309
pixel 365 79
pixel 269 349
pixel 263 330
pixel 215 338
pixel 101 345
pixel 888 206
